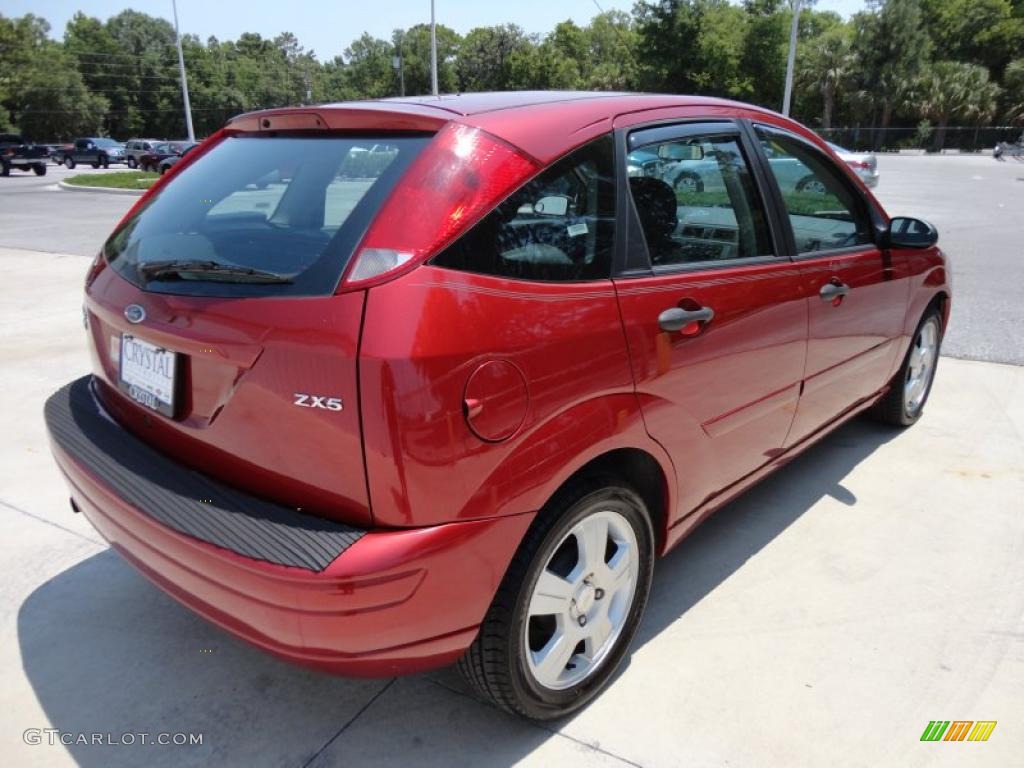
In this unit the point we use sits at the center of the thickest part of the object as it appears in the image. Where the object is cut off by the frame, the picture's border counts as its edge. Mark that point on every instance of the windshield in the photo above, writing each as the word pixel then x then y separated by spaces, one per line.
pixel 288 207
pixel 106 143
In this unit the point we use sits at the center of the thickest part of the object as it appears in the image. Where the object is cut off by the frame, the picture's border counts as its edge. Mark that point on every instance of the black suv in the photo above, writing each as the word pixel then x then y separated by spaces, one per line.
pixel 17 154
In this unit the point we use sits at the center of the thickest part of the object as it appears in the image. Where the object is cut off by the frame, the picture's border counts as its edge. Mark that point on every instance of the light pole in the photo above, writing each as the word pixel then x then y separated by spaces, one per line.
pixel 433 51
pixel 788 97
pixel 184 81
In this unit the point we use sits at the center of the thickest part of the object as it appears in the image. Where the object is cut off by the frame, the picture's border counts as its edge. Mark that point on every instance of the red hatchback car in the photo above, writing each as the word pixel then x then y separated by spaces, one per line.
pixel 382 386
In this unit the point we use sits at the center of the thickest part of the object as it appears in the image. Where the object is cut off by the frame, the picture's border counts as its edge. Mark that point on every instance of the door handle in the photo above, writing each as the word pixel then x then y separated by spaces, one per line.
pixel 833 291
pixel 676 319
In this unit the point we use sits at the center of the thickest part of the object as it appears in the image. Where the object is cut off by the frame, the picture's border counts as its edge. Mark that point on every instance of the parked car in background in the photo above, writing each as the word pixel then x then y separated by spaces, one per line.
pixel 864 164
pixel 150 161
pixel 181 149
pixel 454 410
pixel 134 149
pixel 17 154
pixel 97 152
pixel 59 151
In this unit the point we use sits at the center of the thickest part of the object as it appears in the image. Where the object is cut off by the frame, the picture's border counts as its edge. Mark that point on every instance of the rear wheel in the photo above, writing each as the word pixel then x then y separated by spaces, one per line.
pixel 69 162
pixel 95 163
pixel 132 163
pixel 904 403
pixel 39 169
pixel 569 604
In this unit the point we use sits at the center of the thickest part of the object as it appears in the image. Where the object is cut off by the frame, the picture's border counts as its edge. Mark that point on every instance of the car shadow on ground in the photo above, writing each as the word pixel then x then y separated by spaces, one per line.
pixel 105 652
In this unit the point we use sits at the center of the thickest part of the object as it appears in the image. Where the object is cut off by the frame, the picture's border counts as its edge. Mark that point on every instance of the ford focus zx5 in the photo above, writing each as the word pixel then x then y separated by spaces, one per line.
pixel 382 386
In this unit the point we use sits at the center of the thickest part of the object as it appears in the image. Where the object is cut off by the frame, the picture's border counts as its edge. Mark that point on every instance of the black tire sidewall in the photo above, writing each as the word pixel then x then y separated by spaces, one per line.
pixel 543 703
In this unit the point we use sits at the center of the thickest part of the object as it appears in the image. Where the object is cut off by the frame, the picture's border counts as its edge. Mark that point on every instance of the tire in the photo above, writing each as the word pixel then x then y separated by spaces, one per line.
pixel 95 163
pixel 132 163
pixel 104 162
pixel 5 168
pixel 69 162
pixel 505 663
pixel 39 169
pixel 811 185
pixel 163 169
pixel 687 181
pixel 908 393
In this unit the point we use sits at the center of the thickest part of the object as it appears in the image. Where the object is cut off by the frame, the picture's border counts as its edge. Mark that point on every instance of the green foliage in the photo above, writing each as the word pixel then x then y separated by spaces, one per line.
pixel 119 180
pixel 120 76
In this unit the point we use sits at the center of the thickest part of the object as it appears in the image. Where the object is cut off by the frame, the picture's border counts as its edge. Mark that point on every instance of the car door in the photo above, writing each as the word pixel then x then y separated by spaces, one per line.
pixel 83 149
pixel 714 317
pixel 856 297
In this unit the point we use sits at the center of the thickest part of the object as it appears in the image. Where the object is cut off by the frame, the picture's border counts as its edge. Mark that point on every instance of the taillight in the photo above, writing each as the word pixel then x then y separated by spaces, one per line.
pixel 858 164
pixel 460 176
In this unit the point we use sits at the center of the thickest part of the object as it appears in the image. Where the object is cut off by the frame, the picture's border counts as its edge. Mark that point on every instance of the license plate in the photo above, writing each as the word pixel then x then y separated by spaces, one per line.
pixel 147 374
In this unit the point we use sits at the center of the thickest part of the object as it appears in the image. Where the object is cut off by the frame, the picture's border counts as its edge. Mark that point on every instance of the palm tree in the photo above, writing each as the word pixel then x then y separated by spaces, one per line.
pixel 951 89
pixel 830 64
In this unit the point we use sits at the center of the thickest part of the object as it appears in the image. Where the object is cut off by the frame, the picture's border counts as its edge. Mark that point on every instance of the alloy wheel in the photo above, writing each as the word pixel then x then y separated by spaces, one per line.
pixel 581 600
pixel 921 367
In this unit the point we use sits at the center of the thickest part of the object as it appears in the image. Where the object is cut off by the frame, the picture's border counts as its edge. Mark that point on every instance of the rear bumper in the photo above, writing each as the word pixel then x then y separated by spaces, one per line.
pixel 315 592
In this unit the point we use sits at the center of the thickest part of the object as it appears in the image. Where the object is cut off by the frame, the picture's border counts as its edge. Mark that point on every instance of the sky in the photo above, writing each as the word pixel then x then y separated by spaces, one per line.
pixel 328 26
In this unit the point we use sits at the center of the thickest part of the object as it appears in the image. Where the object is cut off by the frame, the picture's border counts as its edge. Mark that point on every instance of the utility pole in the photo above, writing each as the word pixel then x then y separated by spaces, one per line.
pixel 397 62
pixel 433 51
pixel 791 63
pixel 184 81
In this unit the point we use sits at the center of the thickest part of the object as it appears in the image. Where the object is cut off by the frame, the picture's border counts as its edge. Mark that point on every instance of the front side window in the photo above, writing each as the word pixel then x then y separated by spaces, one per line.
pixel 260 215
pixel 823 209
pixel 697 201
pixel 557 227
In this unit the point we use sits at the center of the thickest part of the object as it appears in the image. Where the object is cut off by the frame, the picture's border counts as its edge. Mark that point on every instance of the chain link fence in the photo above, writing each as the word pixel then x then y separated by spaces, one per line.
pixel 921 137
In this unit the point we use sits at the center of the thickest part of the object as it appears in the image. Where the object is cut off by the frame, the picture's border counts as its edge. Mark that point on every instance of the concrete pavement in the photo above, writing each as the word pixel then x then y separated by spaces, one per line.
pixel 874 584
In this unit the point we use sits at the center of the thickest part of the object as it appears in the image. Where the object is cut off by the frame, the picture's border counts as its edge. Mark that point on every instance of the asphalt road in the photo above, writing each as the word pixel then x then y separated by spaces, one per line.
pixel 976 202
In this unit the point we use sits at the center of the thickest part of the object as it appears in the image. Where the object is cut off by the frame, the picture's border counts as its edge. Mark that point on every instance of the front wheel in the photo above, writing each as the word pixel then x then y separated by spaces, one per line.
pixel 811 185
pixel 39 169
pixel 904 403
pixel 69 162
pixel 105 162
pixel 569 605
pixel 132 163
pixel 687 181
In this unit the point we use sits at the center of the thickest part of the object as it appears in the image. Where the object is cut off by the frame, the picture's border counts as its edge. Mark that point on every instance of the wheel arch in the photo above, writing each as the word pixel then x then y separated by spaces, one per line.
pixel 639 469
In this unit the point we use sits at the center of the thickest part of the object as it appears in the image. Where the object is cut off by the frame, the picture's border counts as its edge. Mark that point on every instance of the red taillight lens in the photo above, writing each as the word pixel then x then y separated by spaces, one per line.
pixel 460 176
pixel 858 164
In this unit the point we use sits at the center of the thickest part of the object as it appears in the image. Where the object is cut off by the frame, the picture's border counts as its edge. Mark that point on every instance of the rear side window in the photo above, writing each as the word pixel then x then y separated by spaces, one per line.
pixel 560 226
pixel 824 210
pixel 288 209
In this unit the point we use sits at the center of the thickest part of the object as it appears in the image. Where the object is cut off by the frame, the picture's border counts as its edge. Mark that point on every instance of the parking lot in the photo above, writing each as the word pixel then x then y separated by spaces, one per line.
pixel 871 586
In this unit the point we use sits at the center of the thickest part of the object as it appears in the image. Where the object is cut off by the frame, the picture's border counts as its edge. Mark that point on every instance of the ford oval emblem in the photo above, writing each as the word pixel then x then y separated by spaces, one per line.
pixel 133 313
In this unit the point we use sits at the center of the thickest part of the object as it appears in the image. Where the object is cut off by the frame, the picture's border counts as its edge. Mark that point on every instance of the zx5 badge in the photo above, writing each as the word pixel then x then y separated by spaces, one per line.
pixel 318 401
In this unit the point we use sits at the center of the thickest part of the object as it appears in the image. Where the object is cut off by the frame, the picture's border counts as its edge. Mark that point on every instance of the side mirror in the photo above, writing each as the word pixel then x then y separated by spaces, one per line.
pixel 905 232
pixel 552 205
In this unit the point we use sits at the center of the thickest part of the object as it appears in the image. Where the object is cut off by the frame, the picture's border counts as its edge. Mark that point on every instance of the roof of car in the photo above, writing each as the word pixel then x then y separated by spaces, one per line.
pixel 544 124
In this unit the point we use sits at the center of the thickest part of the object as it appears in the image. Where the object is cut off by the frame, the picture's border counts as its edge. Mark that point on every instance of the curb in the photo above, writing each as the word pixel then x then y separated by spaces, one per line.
pixel 107 190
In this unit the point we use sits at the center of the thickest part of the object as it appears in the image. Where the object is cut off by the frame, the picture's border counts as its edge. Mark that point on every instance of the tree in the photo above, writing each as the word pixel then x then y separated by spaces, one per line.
pixel 764 52
pixel 951 89
pixel 487 57
pixel 828 67
pixel 41 92
pixel 414 46
pixel 892 48
pixel 1013 84
pixel 369 69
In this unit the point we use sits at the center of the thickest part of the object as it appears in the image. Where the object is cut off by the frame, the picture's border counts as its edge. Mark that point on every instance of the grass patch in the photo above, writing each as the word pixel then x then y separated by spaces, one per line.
pixel 120 180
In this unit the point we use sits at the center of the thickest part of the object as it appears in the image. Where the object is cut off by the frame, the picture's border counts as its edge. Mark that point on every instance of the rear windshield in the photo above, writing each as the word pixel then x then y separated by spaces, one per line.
pixel 261 215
